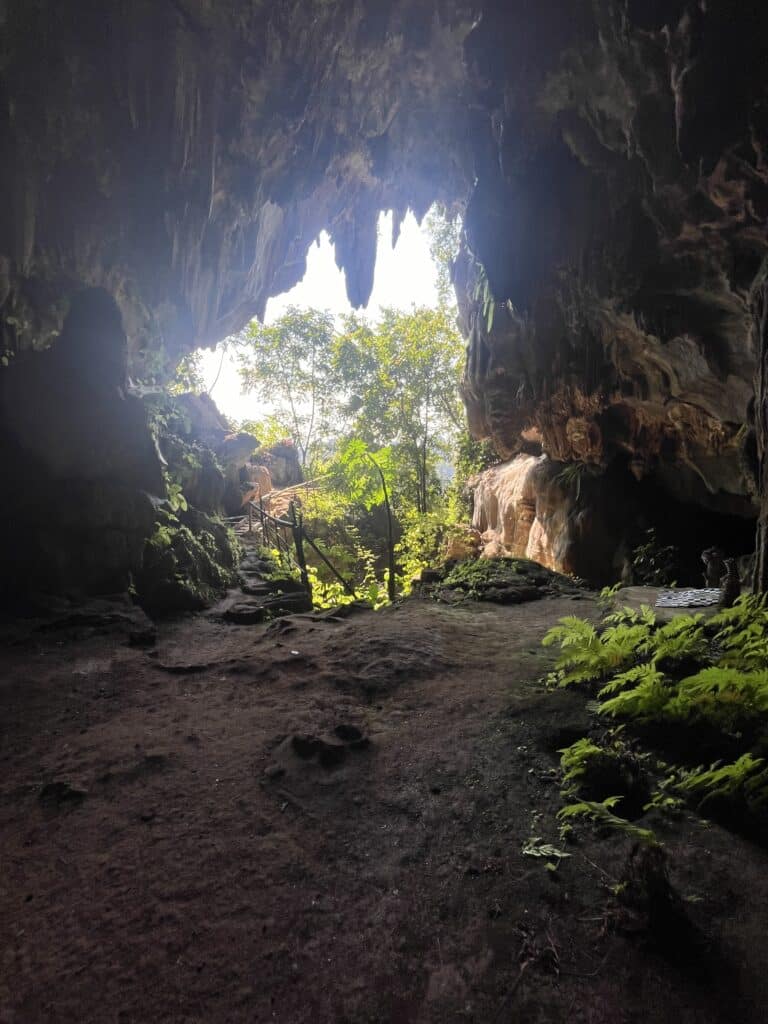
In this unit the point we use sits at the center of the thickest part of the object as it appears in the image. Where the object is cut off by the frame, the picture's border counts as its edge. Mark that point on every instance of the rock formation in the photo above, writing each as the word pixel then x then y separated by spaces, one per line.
pixel 609 157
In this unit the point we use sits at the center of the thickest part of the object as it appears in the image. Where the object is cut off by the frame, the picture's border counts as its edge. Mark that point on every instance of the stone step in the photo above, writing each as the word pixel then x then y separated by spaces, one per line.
pixel 271 606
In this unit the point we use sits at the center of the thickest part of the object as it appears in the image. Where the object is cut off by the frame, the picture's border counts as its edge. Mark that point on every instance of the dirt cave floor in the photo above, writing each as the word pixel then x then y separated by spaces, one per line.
pixel 321 820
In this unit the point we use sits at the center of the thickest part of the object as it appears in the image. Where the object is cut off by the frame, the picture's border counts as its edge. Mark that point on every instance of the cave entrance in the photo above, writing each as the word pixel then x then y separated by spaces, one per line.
pixel 352 417
pixel 406 275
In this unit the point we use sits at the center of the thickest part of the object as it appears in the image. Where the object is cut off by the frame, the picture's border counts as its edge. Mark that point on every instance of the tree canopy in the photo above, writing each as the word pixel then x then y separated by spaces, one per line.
pixel 390 383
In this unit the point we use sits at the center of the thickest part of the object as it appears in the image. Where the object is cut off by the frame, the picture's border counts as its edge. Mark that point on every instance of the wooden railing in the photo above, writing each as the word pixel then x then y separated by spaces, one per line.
pixel 275 532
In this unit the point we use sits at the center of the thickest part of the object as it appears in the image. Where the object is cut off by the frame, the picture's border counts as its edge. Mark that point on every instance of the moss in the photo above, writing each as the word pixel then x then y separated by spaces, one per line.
pixel 186 564
pixel 505 580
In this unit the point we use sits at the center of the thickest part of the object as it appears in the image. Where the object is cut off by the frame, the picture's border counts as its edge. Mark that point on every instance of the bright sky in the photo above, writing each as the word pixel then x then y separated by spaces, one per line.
pixel 405 276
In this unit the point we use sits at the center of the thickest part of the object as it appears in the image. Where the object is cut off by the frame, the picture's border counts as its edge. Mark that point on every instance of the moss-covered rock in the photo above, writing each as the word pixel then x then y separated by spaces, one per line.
pixel 502 580
pixel 186 564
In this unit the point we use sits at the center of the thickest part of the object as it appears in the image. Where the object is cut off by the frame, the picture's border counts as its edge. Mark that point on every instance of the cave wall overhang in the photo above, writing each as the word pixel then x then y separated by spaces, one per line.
pixel 184 155
pixel 610 157
pixel 619 222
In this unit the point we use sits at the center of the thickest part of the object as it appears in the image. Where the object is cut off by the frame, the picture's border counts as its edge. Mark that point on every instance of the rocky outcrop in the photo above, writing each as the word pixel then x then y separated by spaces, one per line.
pixel 532 507
pixel 99 495
pixel 587 521
pixel 614 236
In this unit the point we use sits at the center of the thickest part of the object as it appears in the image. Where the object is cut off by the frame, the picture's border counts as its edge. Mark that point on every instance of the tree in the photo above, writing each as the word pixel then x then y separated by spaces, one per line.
pixel 400 380
pixel 444 232
pixel 188 375
pixel 288 365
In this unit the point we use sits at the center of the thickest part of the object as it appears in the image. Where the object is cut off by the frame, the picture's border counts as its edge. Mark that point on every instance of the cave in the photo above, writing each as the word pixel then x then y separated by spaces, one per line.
pixel 167 166
pixel 182 161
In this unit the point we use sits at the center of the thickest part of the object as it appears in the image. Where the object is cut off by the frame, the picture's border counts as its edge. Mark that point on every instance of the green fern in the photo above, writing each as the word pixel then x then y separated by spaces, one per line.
pixel 607 594
pixel 702 676
pixel 682 638
pixel 746 778
pixel 723 696
pixel 741 633
pixel 588 656
pixel 647 699
pixel 625 680
pixel 601 814
pixel 575 760
pixel 630 617
pixel 571 632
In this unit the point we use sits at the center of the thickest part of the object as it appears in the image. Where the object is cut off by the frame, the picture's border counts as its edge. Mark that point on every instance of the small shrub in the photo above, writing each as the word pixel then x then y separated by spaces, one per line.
pixel 654 564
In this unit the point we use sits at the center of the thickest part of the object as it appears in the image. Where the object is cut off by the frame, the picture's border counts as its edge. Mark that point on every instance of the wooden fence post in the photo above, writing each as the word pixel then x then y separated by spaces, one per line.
pixel 263 523
pixel 298 539
pixel 250 517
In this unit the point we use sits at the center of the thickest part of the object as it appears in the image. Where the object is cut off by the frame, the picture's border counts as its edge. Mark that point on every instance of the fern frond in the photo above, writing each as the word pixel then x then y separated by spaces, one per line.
pixel 746 775
pixel 601 813
pixel 646 700
pixel 720 694
pixel 571 631
pixel 633 676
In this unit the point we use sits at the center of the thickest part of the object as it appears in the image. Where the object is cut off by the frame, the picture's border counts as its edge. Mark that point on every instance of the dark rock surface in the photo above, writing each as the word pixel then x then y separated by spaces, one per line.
pixel 619 220
pixel 500 581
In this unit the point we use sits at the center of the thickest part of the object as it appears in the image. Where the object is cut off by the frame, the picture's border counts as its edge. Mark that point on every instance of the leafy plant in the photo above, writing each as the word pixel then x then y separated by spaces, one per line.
pixel 746 778
pixel 607 594
pixel 598 770
pixel 535 846
pixel 176 499
pixel 654 564
pixel 576 760
pixel 601 813
pixel 706 680
pixel 588 656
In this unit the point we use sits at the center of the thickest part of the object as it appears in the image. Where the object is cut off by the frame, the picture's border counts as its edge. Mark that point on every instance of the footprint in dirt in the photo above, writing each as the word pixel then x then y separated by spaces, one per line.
pixel 329 751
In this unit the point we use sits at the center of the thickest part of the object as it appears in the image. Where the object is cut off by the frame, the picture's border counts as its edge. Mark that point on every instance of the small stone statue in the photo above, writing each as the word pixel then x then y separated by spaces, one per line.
pixel 714 566
pixel 730 583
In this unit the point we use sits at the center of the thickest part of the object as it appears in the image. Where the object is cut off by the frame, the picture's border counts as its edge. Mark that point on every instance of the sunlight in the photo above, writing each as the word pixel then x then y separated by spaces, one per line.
pixel 405 276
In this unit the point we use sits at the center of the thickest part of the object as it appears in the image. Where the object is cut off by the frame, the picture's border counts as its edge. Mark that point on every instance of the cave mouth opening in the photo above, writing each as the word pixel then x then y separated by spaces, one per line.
pixel 405 277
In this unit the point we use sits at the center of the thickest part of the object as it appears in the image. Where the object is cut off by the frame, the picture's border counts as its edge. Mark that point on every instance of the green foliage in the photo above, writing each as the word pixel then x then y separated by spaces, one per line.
pixel 678 641
pixel 643 694
pixel 725 697
pixel 356 472
pixel 536 846
pixel 371 407
pixel 423 541
pixel 288 364
pixel 400 381
pixel 600 813
pixel 744 780
pixel 607 595
pixel 692 677
pixel 184 570
pixel 176 499
pixel 475 575
pixel 588 656
pixel 654 564
pixel 444 231
pixel 664 799
pixel 188 375
pixel 577 759
pixel 742 632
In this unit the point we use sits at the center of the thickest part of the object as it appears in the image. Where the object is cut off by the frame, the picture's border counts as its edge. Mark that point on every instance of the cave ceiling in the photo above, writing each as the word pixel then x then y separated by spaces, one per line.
pixel 609 159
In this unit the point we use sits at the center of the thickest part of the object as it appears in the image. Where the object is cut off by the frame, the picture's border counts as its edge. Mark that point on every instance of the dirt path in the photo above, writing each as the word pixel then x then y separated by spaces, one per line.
pixel 321 821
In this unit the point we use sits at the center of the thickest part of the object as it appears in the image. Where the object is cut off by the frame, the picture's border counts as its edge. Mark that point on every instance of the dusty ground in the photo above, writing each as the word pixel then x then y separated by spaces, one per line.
pixel 168 855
